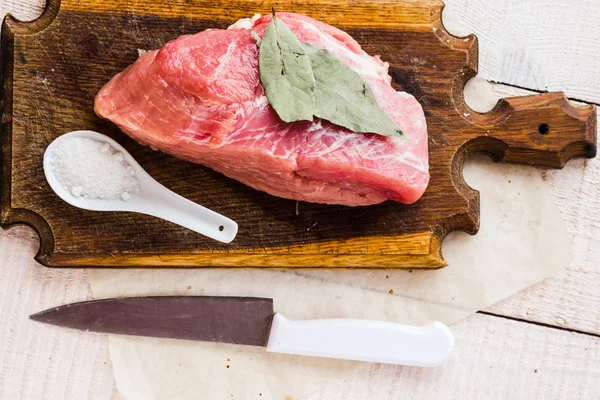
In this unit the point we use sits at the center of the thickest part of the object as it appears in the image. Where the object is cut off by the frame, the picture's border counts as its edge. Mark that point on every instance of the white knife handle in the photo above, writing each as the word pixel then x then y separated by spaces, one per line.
pixel 363 340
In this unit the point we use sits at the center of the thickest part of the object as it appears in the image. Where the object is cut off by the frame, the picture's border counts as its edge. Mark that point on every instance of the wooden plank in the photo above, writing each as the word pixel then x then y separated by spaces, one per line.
pixel 71 51
pixel 549 45
pixel 384 13
pixel 515 48
pixel 36 362
pixel 22 10
pixel 494 359
pixel 571 299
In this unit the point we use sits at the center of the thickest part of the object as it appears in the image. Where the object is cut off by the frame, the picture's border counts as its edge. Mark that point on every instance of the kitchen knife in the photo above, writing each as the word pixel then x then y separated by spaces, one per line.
pixel 252 321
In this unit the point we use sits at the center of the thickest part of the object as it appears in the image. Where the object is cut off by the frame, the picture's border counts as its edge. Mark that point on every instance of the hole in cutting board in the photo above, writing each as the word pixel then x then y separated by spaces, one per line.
pixel 221 228
pixel 544 129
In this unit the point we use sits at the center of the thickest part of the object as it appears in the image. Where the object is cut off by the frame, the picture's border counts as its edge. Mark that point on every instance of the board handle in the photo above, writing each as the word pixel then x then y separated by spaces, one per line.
pixel 544 130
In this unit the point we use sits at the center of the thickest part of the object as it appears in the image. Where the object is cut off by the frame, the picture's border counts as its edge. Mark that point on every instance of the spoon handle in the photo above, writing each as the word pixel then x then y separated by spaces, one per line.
pixel 168 205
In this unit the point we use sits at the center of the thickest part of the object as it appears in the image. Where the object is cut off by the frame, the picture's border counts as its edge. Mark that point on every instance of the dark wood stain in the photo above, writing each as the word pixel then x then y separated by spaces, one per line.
pixel 53 67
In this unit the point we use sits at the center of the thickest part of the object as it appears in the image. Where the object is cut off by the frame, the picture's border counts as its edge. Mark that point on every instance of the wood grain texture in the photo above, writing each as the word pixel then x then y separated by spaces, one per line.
pixel 55 65
pixel 37 362
pixel 552 48
pixel 494 359
pixel 22 10
pixel 572 299
pixel 548 45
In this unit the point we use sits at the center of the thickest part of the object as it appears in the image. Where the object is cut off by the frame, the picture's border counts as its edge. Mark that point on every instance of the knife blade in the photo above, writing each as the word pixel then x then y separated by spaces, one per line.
pixel 252 321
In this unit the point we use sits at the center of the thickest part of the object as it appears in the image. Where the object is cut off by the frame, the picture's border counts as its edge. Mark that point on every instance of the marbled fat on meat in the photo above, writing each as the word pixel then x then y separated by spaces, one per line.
pixel 199 98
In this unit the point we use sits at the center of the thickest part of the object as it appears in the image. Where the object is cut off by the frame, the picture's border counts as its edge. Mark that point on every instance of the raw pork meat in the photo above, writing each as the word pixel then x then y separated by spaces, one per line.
pixel 199 98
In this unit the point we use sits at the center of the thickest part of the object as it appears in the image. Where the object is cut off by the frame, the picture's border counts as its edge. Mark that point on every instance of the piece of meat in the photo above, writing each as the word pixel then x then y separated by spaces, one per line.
pixel 199 98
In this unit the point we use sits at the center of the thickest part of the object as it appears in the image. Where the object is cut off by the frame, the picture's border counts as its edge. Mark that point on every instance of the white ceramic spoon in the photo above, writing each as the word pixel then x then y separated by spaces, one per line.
pixel 153 198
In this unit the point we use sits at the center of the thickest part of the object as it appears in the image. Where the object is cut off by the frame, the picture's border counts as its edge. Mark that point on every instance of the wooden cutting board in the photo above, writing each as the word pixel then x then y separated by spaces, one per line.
pixel 53 67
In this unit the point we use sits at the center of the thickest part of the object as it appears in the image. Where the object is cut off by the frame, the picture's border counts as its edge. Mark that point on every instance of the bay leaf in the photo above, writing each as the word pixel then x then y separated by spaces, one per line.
pixel 286 74
pixel 344 98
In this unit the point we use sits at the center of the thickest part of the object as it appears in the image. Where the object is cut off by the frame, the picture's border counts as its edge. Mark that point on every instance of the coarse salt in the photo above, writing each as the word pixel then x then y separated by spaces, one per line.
pixel 94 170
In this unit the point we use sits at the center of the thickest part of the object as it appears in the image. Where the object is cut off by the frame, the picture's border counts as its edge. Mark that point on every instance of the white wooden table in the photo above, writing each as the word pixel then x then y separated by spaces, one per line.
pixel 543 342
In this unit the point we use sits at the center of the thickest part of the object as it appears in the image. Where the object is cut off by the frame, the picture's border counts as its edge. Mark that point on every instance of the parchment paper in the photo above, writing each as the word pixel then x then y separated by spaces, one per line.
pixel 522 240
